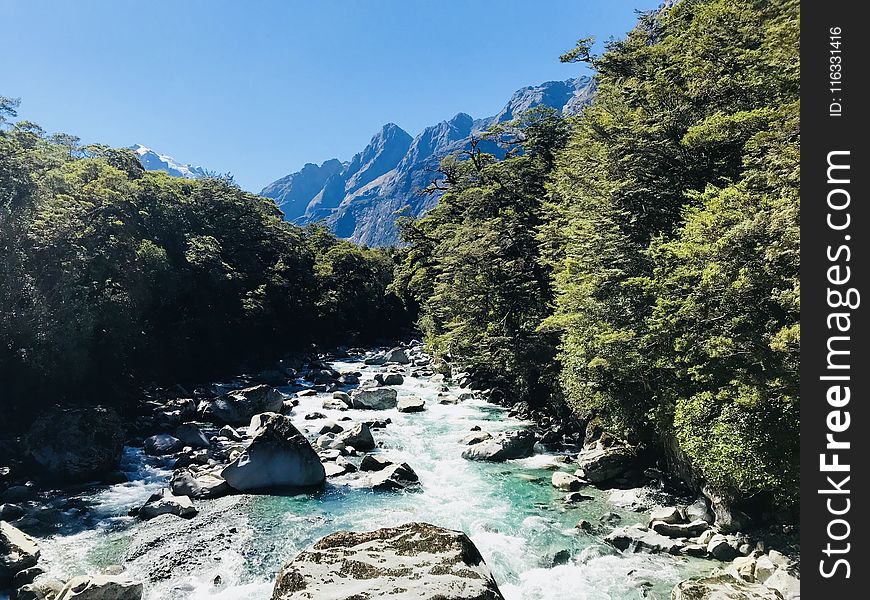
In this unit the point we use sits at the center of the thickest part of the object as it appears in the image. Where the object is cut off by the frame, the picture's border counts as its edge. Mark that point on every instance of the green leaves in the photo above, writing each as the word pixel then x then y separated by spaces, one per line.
pixel 115 276
pixel 675 242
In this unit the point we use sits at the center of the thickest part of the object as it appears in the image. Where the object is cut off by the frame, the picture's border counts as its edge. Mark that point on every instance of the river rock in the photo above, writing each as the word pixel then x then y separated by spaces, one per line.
pixel 680 530
pixel 566 482
pixel 42 588
pixel 76 444
pixel 722 587
pixel 26 576
pixel 335 469
pixel 721 548
pixel 610 518
pixel 504 446
pixel 411 404
pixel 18 551
pixel 743 567
pixel 101 587
pixel 10 512
pixel 165 502
pixel 374 398
pixel 162 444
pixel 183 483
pixel 575 497
pixel 331 427
pixel 329 441
pixel 208 485
pixel 230 433
pixel 377 359
pixel 394 477
pixel 191 435
pixel 359 436
pixel 19 493
pixel 334 404
pixel 640 539
pixel 602 463
pixel 785 583
pixel 278 457
pixel 668 514
pixel 370 462
pixel 727 518
pixel 212 485
pixel 343 396
pixel 389 379
pixel 416 561
pixel 349 379
pixel 764 568
pixel 475 437
pixel 397 355
pixel 257 423
pixel 700 510
pixel 239 406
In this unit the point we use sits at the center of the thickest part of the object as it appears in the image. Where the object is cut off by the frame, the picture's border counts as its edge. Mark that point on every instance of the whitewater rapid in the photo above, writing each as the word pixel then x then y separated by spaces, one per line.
pixel 234 547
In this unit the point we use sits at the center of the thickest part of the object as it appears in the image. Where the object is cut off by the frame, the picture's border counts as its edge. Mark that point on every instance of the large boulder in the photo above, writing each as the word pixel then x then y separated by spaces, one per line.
pixel 101 587
pixel 374 398
pixel 18 551
pixel 279 457
pixel 722 587
pixel 502 447
pixel 76 444
pixel 416 561
pixel 602 463
pixel 239 406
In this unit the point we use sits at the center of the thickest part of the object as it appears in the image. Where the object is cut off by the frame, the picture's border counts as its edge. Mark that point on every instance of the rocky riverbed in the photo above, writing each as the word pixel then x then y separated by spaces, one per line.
pixel 232 489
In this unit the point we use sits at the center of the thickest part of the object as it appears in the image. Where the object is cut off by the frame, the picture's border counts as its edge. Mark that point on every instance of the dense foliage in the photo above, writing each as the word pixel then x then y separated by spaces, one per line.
pixel 473 260
pixel 656 254
pixel 112 275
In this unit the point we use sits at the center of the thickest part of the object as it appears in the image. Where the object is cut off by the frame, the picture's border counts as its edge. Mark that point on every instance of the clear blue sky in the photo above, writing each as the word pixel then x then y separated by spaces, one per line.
pixel 259 88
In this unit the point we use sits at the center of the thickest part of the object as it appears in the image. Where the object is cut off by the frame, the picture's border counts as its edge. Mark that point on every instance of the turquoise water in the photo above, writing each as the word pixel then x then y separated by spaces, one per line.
pixel 509 510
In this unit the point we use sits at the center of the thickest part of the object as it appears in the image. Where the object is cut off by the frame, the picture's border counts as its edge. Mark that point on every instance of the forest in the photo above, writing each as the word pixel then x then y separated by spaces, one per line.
pixel 637 263
pixel 640 262
pixel 114 277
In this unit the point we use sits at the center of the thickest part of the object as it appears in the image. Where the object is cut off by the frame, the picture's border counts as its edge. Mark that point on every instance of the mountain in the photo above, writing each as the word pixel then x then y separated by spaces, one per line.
pixel 359 199
pixel 293 192
pixel 154 161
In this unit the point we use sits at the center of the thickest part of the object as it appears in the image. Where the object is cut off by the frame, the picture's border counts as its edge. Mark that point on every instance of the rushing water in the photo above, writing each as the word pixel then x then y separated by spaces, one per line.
pixel 509 510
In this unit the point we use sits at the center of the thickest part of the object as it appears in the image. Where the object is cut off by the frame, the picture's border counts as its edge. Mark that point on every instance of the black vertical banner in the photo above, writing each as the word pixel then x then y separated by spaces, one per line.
pixel 835 225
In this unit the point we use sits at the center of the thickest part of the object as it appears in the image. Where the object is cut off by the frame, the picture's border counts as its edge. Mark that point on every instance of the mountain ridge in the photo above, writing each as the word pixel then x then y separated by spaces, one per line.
pixel 388 174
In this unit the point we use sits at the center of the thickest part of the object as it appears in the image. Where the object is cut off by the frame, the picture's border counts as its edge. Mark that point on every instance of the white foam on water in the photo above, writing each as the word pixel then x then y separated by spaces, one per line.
pixel 517 523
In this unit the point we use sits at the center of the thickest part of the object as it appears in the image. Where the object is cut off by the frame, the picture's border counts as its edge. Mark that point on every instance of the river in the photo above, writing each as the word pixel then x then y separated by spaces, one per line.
pixel 234 547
